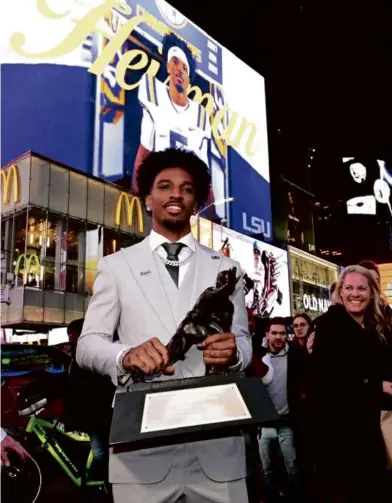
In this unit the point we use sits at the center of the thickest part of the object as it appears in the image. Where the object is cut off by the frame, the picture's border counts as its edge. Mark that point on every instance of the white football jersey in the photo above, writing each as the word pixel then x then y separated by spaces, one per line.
pixel 166 124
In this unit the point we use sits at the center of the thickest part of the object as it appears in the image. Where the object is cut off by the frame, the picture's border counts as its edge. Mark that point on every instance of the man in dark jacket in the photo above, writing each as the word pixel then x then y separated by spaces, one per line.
pixel 89 398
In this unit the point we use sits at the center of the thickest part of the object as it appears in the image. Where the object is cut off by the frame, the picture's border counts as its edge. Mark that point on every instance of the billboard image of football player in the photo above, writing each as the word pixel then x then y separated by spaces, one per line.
pixel 266 292
pixel 170 118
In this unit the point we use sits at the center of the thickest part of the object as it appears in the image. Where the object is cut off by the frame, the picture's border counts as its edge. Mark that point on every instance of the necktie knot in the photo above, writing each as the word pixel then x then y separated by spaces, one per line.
pixel 173 250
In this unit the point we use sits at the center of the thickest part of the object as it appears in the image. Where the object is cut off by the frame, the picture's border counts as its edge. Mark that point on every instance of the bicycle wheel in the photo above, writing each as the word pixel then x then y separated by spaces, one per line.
pixel 21 482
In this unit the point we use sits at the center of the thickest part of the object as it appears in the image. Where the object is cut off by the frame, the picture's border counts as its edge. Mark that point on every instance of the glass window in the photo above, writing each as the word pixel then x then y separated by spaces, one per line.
pixel 19 251
pixel 58 189
pixel 75 256
pixel 39 182
pixel 54 244
pixel 77 195
pixel 95 201
pixel 111 241
pixel 6 246
pixel 36 241
pixel 93 252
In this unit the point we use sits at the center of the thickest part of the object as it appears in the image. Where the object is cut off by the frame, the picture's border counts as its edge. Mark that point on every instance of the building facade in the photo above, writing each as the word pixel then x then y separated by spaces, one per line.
pixel 56 225
pixel 311 278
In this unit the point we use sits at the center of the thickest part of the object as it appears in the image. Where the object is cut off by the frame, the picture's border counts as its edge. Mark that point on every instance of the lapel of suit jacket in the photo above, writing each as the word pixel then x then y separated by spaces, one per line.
pixel 208 264
pixel 143 268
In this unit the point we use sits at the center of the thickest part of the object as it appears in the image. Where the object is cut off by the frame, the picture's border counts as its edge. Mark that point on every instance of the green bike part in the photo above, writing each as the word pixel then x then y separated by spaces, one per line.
pixel 89 463
pixel 39 427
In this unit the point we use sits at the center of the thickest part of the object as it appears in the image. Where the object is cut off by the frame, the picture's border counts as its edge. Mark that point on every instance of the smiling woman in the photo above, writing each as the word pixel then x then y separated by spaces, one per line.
pixel 347 362
pixel 361 297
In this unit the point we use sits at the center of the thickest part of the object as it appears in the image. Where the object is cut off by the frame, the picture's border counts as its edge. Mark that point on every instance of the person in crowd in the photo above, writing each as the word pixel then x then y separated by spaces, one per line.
pixel 88 402
pixel 375 272
pixel 302 326
pixel 9 444
pixel 373 268
pixel 284 390
pixel 386 365
pixel 347 389
pixel 333 296
pixel 144 292
pixel 303 330
pixel 260 367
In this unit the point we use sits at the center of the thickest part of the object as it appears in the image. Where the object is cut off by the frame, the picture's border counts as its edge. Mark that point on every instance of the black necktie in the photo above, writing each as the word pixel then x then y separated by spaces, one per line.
pixel 173 250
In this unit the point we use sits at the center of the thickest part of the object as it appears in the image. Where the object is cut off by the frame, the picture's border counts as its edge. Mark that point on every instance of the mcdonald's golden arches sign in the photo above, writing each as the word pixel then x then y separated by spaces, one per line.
pixel 131 204
pixel 10 180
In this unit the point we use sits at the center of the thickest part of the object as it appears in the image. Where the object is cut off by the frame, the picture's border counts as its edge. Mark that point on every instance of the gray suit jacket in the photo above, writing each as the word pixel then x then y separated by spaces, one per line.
pixel 129 296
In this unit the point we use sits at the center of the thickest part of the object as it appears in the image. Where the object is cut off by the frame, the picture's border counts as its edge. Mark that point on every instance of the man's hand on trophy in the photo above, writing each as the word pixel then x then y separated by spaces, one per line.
pixel 151 357
pixel 219 349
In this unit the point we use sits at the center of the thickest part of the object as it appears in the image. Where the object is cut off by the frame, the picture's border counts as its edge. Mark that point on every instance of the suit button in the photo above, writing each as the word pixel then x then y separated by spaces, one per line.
pixel 366 381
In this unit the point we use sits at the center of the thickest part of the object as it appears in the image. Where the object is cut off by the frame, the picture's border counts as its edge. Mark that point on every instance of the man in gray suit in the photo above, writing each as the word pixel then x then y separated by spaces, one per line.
pixel 144 292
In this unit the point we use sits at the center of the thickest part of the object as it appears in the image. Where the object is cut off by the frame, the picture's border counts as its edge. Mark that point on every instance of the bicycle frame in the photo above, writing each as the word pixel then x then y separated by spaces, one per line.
pixel 41 429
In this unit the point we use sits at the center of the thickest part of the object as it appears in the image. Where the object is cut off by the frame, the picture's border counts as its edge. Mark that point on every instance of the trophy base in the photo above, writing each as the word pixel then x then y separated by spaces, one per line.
pixel 197 408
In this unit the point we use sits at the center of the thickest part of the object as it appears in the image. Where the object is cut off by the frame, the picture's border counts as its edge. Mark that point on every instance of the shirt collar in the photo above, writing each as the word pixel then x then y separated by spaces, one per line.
pixel 156 240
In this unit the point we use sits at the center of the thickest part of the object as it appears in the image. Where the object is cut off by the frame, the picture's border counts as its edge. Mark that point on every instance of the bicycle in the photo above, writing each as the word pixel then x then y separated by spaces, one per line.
pixel 51 435
pixel 70 449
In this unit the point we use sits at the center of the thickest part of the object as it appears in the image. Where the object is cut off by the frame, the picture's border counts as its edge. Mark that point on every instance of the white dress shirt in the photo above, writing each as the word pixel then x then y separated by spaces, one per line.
pixel 156 242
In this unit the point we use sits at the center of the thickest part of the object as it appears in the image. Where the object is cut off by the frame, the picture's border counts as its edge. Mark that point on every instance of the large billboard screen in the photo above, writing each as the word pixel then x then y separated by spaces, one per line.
pixel 366 184
pixel 98 85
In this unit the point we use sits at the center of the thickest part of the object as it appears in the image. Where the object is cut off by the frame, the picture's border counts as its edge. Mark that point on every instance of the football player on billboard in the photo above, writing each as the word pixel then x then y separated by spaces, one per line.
pixel 170 118
pixel 266 292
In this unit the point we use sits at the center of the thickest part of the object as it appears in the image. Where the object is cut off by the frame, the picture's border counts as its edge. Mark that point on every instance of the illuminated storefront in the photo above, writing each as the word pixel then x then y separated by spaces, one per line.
pixel 386 281
pixel 56 224
pixel 311 278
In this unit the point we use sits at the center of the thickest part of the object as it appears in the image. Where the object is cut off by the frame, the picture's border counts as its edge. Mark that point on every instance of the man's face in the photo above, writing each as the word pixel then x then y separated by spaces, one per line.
pixel 277 338
pixel 172 200
pixel 179 74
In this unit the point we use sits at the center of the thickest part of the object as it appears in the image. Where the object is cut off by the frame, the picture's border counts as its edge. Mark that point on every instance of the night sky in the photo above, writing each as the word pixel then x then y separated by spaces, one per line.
pixel 328 76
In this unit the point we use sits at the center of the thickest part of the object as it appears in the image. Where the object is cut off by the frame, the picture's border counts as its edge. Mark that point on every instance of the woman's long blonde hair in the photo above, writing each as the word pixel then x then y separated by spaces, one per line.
pixel 374 314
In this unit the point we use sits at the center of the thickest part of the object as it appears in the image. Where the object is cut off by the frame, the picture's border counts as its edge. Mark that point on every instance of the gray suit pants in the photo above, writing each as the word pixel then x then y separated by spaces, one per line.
pixel 186 482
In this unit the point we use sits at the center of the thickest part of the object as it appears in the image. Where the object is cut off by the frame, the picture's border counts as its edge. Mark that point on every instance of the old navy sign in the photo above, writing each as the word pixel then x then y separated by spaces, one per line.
pixel 313 303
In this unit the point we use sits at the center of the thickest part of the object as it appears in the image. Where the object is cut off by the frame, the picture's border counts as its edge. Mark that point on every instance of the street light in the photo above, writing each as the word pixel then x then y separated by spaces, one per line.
pixel 218 202
pixel 195 219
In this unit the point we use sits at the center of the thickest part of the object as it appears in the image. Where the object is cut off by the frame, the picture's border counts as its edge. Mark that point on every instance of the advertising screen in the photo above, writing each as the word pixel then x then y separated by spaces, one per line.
pixel 366 184
pixel 98 85
pixel 265 268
